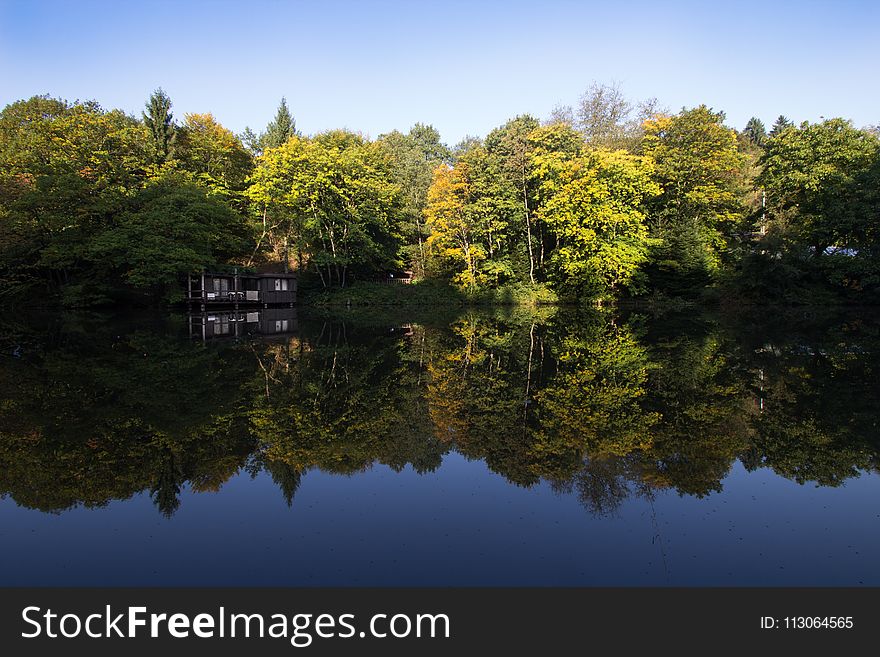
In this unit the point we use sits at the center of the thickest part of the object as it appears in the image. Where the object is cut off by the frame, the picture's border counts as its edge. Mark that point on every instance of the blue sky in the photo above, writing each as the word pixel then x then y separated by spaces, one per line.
pixel 463 66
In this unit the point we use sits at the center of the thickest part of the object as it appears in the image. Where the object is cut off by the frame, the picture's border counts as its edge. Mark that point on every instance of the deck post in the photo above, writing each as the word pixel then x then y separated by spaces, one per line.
pixel 204 293
pixel 235 288
pixel 189 287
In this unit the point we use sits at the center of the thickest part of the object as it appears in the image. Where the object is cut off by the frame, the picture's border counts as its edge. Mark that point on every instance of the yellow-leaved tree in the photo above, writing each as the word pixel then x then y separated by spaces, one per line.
pixel 454 229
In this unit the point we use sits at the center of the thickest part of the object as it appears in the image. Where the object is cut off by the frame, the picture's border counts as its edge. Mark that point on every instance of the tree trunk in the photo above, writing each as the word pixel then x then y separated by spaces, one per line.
pixel 420 269
pixel 528 229
pixel 529 375
pixel 541 241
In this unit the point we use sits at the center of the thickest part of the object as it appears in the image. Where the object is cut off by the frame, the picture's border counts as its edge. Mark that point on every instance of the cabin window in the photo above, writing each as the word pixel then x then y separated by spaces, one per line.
pixel 221 285
pixel 281 285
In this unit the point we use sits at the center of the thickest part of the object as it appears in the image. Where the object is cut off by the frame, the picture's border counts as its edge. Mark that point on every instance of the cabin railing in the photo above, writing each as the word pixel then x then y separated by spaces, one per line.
pixel 226 295
pixel 399 280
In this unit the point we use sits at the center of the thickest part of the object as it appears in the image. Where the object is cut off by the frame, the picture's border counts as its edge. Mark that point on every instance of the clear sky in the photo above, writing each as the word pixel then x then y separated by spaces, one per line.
pixel 465 67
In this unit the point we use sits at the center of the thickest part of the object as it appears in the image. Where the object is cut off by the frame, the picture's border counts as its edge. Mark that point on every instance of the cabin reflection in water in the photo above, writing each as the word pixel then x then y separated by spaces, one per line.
pixel 243 323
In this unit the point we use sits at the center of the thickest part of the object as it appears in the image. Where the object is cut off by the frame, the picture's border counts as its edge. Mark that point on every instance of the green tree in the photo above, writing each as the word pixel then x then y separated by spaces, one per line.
pixel 495 210
pixel 282 192
pixel 160 123
pixel 171 228
pixel 415 156
pixel 251 141
pixel 701 173
pixel 557 138
pixel 214 154
pixel 782 122
pixel 821 181
pixel 473 213
pixel 755 131
pixel 357 227
pixel 510 143
pixel 65 171
pixel 280 129
pixel 333 196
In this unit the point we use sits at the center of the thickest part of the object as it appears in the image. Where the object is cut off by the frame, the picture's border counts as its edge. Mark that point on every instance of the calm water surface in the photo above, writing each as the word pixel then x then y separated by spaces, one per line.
pixel 508 447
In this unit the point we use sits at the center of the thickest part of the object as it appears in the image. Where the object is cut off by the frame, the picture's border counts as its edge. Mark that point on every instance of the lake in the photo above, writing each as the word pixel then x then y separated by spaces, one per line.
pixel 508 446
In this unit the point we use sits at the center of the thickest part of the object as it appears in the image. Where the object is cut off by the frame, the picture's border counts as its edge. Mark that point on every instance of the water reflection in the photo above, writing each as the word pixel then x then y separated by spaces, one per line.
pixel 240 323
pixel 602 405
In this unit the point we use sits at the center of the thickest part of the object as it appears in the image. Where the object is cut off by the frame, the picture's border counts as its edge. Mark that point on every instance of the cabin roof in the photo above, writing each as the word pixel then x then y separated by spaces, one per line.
pixel 262 275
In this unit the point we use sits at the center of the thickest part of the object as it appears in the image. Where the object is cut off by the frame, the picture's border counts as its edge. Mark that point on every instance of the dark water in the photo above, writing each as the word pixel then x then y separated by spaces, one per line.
pixel 557 447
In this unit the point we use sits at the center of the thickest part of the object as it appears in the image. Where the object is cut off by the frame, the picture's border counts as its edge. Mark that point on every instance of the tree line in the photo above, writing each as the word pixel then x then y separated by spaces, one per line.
pixel 606 199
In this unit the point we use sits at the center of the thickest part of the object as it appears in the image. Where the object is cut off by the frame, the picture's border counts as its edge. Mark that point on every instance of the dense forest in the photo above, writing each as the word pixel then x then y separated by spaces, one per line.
pixel 605 200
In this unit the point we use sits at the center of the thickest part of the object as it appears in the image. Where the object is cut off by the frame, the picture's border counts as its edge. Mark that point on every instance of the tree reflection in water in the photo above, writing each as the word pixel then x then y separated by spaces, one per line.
pixel 604 405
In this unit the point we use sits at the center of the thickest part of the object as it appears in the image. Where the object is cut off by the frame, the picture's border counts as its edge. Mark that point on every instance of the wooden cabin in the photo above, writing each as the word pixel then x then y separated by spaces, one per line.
pixel 215 289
